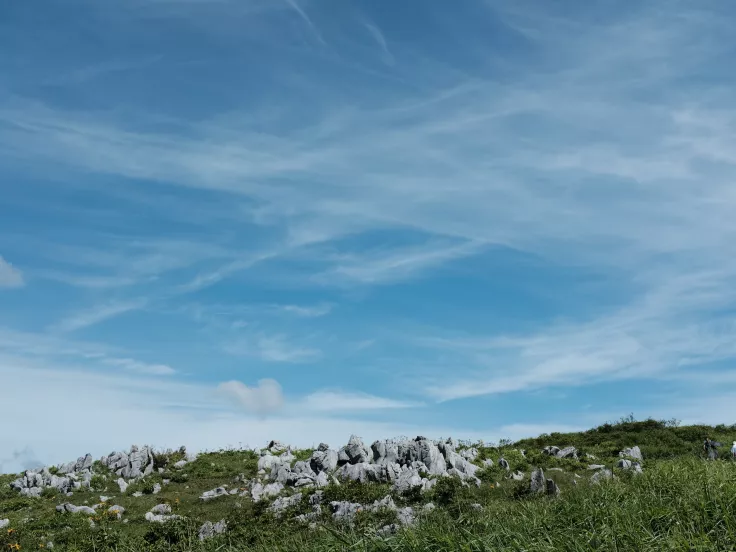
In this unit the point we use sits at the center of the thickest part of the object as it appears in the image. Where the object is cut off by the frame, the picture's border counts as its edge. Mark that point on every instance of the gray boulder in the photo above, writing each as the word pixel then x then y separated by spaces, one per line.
pixel 634 453
pixel 601 475
pixel 552 488
pixel 323 461
pixel 504 464
pixel 161 509
pixel 214 493
pixel 160 518
pixel 259 491
pixel 470 454
pixel 538 482
pixel 407 480
pixel 344 511
pixel 4 523
pixel 285 502
pixel 72 509
pixel 568 452
pixel 354 452
pixel 209 529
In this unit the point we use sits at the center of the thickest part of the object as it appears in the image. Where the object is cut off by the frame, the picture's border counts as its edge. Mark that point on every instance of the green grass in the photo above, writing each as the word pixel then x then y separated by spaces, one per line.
pixel 680 503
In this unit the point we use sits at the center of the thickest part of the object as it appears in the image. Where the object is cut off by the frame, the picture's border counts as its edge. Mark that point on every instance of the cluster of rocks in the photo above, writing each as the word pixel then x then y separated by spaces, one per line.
pixel 65 478
pixel 405 464
pixel 345 511
pixel 134 464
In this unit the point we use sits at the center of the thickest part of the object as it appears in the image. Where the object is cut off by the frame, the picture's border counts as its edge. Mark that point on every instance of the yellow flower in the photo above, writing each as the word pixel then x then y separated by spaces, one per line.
pixel 11 531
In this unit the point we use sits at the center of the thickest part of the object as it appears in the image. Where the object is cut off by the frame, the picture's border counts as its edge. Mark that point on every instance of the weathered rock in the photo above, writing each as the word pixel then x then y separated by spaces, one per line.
pixel 323 461
pixel 161 509
pixel 407 480
pixel 160 518
pixel 156 488
pixel 209 529
pixel 624 464
pixel 259 491
pixel 180 464
pixel 552 488
pixel 517 475
pixel 214 493
pixel 385 452
pixel 344 511
pixel 568 452
pixel 72 509
pixel 601 475
pixel 285 502
pixel 276 446
pixel 596 466
pixel 633 453
pixel 504 464
pixel 122 484
pixel 551 450
pixel 405 516
pixel 538 482
pixel 4 523
pixel 134 464
pixel 354 452
pixel 470 454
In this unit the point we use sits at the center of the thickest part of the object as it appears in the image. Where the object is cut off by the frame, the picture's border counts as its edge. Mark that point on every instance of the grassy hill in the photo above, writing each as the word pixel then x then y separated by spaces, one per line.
pixel 680 502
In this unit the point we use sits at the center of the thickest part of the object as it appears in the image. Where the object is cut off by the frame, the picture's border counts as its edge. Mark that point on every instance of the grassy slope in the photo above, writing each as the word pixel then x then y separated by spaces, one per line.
pixel 680 503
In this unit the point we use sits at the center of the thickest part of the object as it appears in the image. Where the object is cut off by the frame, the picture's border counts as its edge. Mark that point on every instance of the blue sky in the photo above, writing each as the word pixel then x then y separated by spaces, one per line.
pixel 228 221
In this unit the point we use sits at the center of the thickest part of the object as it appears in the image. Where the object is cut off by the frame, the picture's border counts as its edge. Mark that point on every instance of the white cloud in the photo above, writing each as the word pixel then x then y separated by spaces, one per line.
pixel 377 35
pixel 271 348
pixel 98 314
pixel 10 277
pixel 313 311
pixel 141 367
pixel 265 398
pixel 337 401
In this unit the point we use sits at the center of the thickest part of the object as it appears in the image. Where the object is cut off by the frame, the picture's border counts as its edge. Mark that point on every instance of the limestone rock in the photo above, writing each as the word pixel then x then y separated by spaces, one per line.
pixel 160 518
pixel 209 529
pixel 634 453
pixel 161 509
pixel 214 493
pixel 601 475
pixel 538 482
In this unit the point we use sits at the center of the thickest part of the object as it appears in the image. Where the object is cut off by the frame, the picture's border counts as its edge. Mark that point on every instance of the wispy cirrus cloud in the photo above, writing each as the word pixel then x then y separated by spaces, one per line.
pixel 339 401
pixel 98 314
pixel 271 348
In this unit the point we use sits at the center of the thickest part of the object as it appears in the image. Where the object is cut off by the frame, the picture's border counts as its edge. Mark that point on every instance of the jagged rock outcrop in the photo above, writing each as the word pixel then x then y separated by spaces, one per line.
pixel 134 464
pixel 33 482
pixel 404 463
